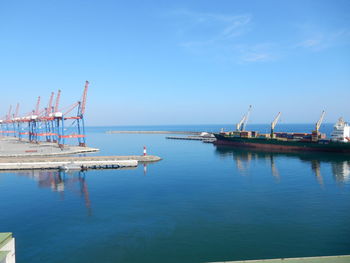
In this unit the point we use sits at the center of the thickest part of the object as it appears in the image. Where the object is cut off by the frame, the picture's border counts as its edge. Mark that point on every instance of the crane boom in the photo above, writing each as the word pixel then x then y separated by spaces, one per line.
pixel 241 125
pixel 273 124
pixel 57 101
pixel 37 106
pixel 17 110
pixel 318 124
pixel 83 101
pixel 49 106
pixel 8 117
pixel 247 117
pixel 70 108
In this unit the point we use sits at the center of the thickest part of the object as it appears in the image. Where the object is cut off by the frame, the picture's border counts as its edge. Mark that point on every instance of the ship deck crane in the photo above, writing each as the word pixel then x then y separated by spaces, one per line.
pixel 241 125
pixel 318 124
pixel 273 124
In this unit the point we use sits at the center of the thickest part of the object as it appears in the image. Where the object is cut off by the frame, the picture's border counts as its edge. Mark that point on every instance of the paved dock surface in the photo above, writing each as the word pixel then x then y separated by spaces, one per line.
pixel 327 259
pixel 12 147
pixel 75 162
pixel 140 158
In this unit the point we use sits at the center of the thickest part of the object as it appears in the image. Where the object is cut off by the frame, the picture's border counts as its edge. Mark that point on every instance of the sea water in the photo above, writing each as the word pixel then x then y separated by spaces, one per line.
pixel 201 203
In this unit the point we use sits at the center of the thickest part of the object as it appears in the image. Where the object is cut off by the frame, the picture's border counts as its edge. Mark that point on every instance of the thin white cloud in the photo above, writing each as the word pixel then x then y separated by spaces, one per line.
pixel 210 28
pixel 257 53
pixel 256 57
pixel 318 40
pixel 230 37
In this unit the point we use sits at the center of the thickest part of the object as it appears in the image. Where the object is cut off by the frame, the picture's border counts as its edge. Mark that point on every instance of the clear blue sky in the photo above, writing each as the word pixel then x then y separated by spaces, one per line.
pixel 179 62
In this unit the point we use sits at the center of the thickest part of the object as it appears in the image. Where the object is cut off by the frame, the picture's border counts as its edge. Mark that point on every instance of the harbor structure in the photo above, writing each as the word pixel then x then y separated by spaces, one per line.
pixel 7 248
pixel 74 162
pixel 50 123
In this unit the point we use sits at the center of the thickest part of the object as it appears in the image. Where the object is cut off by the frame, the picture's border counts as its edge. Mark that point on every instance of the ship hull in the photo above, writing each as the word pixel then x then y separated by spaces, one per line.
pixel 281 146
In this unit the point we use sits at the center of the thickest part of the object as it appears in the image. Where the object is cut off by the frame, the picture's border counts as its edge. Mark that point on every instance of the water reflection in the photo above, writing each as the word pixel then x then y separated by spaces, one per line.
pixel 62 181
pixel 339 163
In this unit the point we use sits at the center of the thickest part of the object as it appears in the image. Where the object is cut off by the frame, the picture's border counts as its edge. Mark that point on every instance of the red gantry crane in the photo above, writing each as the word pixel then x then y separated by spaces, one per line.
pixel 48 122
pixel 78 120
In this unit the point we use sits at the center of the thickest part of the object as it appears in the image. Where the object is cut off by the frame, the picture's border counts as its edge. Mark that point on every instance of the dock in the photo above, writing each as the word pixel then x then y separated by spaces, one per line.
pixel 190 138
pixel 12 147
pixel 75 163
pixel 324 259
pixel 205 139
pixel 154 132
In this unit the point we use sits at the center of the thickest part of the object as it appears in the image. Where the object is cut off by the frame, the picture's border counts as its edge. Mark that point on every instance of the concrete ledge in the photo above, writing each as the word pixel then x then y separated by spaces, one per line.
pixel 140 158
pixel 75 162
pixel 69 165
pixel 5 238
pixel 325 259
pixel 7 248
pixel 3 256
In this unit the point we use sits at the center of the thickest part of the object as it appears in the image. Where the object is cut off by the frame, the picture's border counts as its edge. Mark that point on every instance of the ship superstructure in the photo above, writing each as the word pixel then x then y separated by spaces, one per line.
pixel 341 131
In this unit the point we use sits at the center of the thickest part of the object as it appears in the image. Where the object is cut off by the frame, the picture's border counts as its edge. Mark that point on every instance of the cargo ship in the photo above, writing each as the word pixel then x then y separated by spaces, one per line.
pixel 288 141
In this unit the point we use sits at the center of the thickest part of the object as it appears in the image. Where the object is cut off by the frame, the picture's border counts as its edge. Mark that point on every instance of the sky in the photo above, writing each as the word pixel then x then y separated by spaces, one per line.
pixel 179 62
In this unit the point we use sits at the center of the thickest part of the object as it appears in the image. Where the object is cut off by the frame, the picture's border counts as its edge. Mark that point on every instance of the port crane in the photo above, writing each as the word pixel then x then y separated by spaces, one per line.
pixel 8 121
pixel 33 123
pixel 318 124
pixel 16 120
pixel 273 124
pixel 48 122
pixel 47 118
pixel 241 125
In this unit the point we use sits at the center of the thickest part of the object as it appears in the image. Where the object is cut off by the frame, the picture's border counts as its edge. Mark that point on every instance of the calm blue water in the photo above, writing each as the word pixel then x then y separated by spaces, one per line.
pixel 200 203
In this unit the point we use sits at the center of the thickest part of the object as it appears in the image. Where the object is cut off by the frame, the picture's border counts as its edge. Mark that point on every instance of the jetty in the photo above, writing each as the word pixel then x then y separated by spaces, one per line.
pixel 203 136
pixel 189 138
pixel 75 162
pixel 322 259
pixel 154 132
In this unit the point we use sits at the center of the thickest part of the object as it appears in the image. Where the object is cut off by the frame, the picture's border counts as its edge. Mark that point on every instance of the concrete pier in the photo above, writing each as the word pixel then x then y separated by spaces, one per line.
pixel 325 259
pixel 154 132
pixel 12 147
pixel 189 138
pixel 75 162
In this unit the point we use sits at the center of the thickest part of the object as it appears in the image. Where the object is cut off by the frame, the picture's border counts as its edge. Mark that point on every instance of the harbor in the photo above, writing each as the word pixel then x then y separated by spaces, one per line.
pixel 199 199
pixel 175 131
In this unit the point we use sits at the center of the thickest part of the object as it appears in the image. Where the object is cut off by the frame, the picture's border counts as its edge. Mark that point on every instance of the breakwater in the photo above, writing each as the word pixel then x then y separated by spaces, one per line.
pixel 75 163
pixel 154 132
